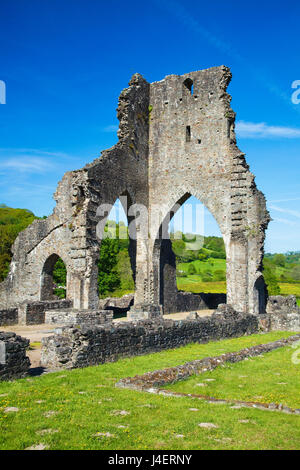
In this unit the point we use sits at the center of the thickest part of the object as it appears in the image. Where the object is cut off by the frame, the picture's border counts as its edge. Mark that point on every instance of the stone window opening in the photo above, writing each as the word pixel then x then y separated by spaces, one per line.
pixel 53 279
pixel 260 296
pixel 188 134
pixel 117 259
pixel 205 266
pixel 189 84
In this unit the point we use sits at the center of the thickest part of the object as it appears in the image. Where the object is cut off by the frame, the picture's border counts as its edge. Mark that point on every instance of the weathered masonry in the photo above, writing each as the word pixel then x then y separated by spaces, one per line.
pixel 176 139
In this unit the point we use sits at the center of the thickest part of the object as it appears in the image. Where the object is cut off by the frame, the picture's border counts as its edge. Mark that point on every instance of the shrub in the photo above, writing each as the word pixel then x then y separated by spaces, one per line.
pixel 219 275
pixel 192 269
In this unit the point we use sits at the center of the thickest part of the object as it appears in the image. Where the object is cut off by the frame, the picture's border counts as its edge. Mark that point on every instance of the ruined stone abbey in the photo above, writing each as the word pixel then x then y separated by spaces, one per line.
pixel 176 139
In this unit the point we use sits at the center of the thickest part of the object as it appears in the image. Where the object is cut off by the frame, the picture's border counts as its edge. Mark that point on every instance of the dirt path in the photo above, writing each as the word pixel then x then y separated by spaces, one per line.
pixel 175 316
pixel 34 333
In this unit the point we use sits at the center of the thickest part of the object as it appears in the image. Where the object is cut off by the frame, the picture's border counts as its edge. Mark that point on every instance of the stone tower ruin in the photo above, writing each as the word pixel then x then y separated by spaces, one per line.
pixel 176 139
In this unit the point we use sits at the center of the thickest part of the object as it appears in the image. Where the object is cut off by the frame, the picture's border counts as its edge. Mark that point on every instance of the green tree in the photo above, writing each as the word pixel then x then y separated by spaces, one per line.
pixel 270 278
pixel 108 276
pixel 12 222
pixel 206 276
pixel 295 273
pixel 279 260
pixel 219 275
pixel 192 269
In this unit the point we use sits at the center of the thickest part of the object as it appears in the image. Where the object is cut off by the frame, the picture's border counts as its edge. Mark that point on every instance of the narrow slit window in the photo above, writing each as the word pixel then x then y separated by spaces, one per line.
pixel 188 134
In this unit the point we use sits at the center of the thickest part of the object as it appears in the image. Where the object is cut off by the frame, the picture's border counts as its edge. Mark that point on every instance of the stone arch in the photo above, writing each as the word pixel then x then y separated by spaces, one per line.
pixel 163 288
pixel 125 200
pixel 46 283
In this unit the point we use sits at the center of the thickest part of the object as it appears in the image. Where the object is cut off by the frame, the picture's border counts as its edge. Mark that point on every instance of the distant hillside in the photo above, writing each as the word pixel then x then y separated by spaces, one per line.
pixel 12 221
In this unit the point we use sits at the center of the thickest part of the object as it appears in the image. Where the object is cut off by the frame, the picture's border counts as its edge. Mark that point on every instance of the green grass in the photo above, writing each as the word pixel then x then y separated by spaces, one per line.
pixel 194 284
pixel 153 422
pixel 287 288
pixel 271 378
pixel 35 345
pixel 212 264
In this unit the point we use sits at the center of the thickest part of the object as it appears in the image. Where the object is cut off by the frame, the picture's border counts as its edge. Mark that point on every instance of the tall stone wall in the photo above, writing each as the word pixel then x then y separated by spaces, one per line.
pixel 193 151
pixel 176 139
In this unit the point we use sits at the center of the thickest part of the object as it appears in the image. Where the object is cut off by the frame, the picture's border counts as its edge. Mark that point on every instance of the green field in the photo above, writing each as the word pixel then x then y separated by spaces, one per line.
pixel 195 285
pixel 270 378
pixel 290 289
pixel 68 409
pixel 194 282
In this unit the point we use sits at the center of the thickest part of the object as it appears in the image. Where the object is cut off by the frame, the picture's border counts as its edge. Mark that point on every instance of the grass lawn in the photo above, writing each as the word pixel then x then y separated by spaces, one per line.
pixel 194 284
pixel 66 410
pixel 212 264
pixel 289 289
pixel 271 378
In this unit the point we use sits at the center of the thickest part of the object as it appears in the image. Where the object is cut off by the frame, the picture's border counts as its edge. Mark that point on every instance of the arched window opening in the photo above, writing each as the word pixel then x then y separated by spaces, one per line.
pixel 116 265
pixel 260 295
pixel 196 252
pixel 189 85
pixel 54 279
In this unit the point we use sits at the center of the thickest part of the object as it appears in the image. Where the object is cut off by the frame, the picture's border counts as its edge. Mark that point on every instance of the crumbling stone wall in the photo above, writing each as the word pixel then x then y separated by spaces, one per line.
pixel 14 364
pixel 176 139
pixel 185 302
pixel 283 314
pixel 280 304
pixel 75 317
pixel 92 345
pixel 33 313
pixel 8 317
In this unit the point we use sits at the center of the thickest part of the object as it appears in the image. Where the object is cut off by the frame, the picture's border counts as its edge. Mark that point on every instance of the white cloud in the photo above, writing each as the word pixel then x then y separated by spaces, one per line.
pixel 286 211
pixel 263 130
pixel 28 151
pixel 286 200
pixel 27 164
pixel 284 221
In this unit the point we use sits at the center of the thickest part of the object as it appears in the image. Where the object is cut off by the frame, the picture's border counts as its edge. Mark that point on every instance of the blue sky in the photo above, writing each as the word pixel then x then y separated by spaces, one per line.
pixel 64 63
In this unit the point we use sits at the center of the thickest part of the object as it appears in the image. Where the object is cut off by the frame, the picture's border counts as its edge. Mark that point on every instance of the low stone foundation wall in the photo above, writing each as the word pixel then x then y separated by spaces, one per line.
pixel 86 346
pixel 279 303
pixel 77 317
pixel 186 302
pixel 171 375
pixel 33 313
pixel 280 321
pixel 119 305
pixel 8 317
pixel 14 364
pixel 283 314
